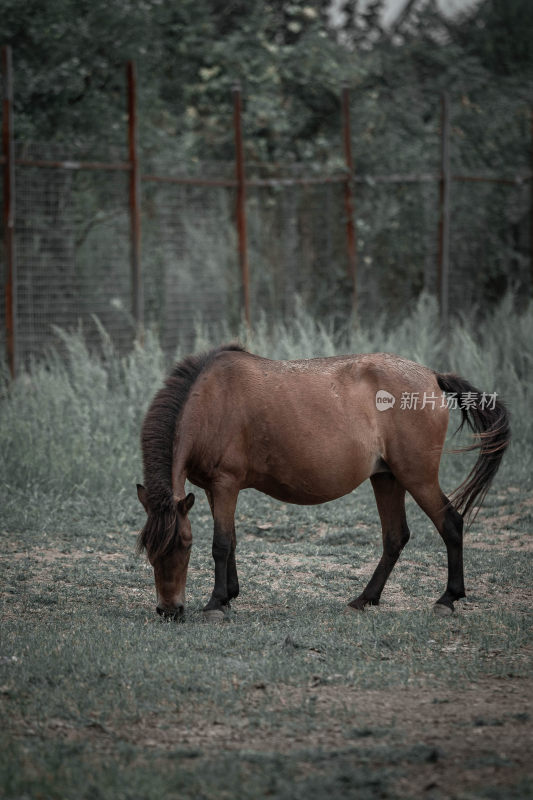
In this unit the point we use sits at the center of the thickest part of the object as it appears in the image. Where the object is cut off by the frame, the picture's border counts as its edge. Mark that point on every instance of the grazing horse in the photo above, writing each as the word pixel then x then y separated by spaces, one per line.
pixel 306 432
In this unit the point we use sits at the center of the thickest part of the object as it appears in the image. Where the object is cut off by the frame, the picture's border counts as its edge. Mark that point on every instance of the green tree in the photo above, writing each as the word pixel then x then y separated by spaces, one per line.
pixel 69 58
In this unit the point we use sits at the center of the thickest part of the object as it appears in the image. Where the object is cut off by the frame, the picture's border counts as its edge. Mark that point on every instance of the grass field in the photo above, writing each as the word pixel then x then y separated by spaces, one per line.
pixel 290 698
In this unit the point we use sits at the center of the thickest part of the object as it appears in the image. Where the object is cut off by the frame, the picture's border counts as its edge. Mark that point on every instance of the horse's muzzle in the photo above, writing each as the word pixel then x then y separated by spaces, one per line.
pixel 174 612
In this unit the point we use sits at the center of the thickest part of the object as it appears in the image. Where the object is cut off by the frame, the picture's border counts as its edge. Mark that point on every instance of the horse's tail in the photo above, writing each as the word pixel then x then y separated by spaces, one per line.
pixel 488 418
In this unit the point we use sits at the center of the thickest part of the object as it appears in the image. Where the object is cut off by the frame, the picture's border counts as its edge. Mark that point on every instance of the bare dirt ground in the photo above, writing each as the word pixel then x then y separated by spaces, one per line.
pixel 460 739
pixel 479 721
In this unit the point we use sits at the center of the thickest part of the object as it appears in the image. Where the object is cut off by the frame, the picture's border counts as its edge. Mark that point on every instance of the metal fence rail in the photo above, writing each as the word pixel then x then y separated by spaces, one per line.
pixel 143 244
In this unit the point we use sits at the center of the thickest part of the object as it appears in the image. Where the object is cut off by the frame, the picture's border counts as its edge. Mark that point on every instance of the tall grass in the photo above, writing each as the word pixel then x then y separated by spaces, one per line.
pixel 69 425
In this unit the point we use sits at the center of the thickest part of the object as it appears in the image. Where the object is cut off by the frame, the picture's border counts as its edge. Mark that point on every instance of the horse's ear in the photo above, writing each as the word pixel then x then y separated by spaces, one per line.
pixel 186 504
pixel 143 497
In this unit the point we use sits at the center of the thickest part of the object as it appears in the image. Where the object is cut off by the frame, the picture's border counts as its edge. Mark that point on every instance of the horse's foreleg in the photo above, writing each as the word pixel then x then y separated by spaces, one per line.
pixel 226 587
pixel 232 577
pixel 390 499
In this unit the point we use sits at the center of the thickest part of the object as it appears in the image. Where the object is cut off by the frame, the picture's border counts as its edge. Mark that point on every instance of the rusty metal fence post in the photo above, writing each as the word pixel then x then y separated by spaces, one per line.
pixel 241 203
pixel 444 211
pixel 351 232
pixel 137 298
pixel 8 150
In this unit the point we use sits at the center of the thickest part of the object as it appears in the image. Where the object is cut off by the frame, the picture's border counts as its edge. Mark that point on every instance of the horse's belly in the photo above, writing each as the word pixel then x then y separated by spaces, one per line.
pixel 309 477
pixel 297 494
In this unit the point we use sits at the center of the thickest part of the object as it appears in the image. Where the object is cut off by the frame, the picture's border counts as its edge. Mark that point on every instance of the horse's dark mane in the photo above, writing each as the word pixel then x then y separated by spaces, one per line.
pixel 157 442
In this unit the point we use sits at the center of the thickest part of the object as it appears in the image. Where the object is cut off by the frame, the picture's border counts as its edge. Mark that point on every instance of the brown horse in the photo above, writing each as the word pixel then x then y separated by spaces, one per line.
pixel 306 432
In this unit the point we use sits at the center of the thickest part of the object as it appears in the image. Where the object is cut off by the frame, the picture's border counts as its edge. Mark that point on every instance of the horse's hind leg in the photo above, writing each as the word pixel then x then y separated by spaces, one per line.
pixel 449 524
pixel 390 498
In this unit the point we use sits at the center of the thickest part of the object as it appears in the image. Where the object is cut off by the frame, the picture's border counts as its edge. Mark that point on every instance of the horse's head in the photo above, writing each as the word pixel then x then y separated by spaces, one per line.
pixel 167 539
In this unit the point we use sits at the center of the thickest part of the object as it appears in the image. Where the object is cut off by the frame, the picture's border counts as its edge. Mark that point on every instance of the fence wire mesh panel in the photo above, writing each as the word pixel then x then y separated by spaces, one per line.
pixel 73 228
pixel 397 198
pixel 188 256
pixel 72 251
pixel 297 245
pixel 489 244
pixel 394 132
pixel 397 227
pixel 490 236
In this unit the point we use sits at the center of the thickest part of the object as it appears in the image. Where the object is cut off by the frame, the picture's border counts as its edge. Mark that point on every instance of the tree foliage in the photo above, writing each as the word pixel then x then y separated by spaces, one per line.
pixel 291 57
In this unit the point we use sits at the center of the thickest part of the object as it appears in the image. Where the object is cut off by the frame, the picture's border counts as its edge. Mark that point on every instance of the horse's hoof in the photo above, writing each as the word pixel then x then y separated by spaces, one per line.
pixel 441 610
pixel 214 615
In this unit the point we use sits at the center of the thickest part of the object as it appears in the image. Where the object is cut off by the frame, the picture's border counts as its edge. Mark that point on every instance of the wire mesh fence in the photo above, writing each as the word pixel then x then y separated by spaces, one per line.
pixel 72 250
pixel 73 232
pixel 297 247
pixel 188 274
